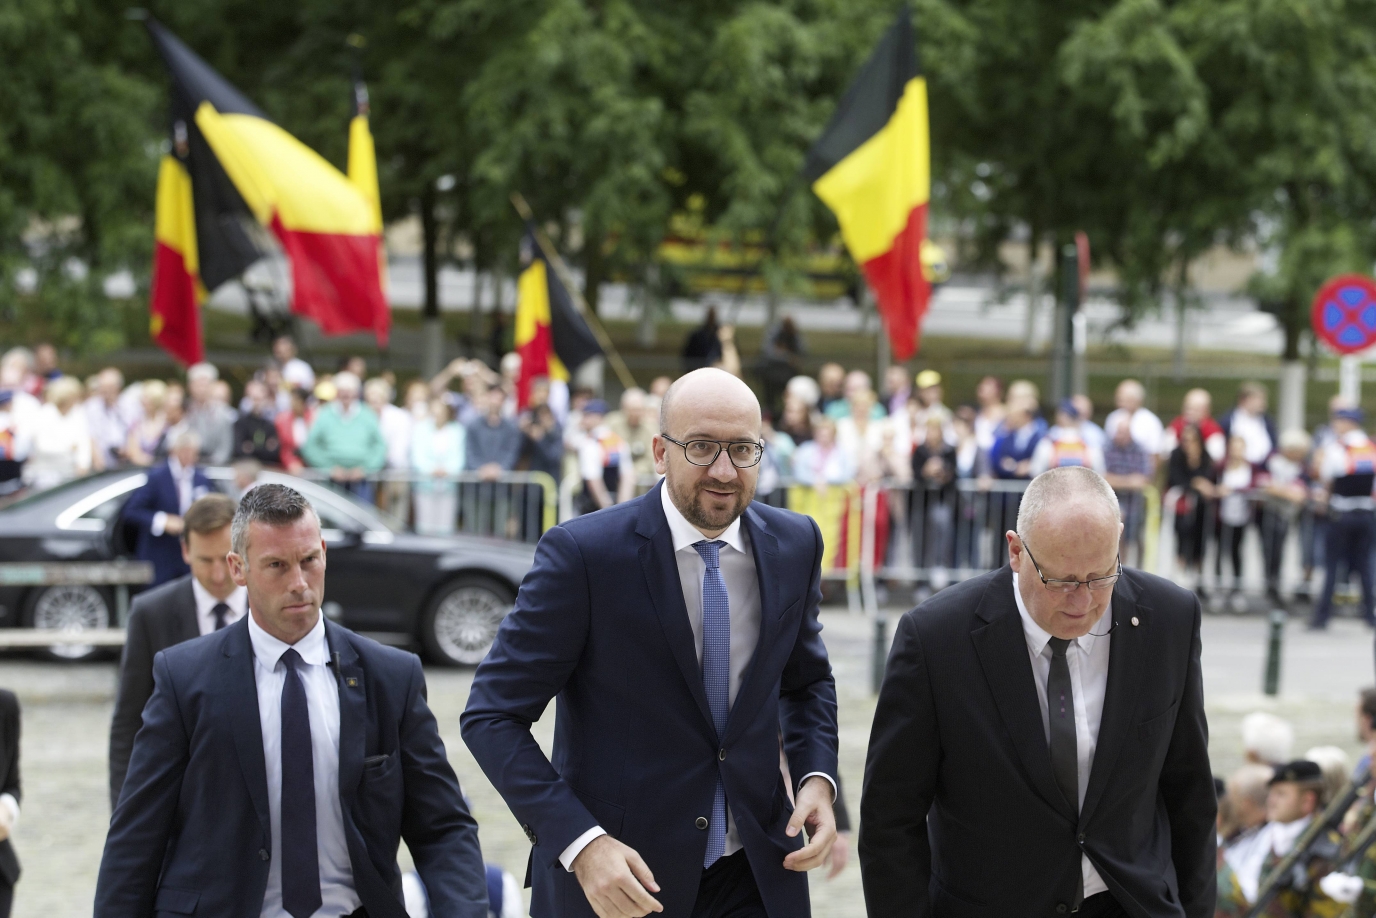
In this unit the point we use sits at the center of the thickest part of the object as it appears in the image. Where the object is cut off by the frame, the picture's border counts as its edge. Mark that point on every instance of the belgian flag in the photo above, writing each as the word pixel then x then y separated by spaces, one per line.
pixel 551 336
pixel 362 166
pixel 231 178
pixel 872 167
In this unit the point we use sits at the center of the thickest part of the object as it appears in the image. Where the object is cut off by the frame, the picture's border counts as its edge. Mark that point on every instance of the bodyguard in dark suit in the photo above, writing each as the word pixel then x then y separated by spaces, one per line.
pixel 678 632
pixel 283 758
pixel 9 797
pixel 203 601
pixel 1039 746
pixel 156 508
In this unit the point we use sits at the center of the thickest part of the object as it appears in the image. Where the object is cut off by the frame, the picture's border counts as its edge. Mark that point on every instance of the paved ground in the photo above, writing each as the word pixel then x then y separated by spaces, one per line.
pixel 67 712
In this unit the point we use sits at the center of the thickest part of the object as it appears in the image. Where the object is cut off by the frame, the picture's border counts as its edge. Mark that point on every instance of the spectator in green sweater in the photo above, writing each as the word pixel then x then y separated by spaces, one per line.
pixel 347 440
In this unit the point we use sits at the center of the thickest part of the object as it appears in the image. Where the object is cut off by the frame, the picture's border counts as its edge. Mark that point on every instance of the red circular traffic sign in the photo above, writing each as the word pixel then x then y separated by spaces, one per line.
pixel 1344 313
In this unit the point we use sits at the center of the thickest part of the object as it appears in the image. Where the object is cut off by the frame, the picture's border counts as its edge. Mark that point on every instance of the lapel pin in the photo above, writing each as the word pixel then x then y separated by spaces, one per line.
pixel 1135 621
pixel 352 682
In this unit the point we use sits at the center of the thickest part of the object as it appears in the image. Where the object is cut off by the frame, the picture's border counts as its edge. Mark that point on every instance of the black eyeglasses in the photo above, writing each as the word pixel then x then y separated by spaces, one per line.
pixel 1070 586
pixel 743 454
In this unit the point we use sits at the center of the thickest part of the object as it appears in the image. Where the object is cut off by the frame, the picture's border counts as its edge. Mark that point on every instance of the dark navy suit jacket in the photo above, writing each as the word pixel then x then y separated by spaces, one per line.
pixel 159 495
pixel 600 623
pixel 190 833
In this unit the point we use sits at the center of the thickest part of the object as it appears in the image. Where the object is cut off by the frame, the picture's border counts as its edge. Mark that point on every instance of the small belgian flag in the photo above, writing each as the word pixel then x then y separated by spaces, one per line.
pixel 551 336
pixel 872 167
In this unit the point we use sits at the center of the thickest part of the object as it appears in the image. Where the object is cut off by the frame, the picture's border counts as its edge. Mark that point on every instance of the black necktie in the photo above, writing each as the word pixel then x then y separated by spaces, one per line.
pixel 1065 759
pixel 220 611
pixel 300 861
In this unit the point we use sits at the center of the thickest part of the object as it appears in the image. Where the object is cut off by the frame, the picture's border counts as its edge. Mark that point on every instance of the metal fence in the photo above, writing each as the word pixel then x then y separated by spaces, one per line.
pixel 510 505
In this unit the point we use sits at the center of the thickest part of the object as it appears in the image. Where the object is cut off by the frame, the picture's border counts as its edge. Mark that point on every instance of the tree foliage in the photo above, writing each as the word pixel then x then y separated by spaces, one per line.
pixel 1159 127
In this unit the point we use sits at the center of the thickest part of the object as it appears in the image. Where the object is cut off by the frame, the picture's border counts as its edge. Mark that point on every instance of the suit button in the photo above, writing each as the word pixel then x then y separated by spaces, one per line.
pixel 1081 839
pixel 701 822
pixel 1060 908
pixel 263 853
pixel 721 756
pixel 530 834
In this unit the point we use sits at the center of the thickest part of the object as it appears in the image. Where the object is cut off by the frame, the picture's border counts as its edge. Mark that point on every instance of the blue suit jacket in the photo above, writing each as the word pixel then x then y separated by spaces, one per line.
pixel 190 834
pixel 159 495
pixel 600 623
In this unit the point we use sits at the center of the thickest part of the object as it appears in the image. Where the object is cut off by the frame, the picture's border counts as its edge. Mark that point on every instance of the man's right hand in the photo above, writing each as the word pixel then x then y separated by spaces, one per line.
pixel 173 525
pixel 615 880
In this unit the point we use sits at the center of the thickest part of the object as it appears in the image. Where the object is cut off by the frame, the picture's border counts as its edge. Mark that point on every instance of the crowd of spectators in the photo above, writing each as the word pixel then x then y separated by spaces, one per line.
pixel 955 469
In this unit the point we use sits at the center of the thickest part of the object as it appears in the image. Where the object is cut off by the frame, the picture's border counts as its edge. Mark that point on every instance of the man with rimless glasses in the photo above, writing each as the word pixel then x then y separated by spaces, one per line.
pixel 1039 745
pixel 678 633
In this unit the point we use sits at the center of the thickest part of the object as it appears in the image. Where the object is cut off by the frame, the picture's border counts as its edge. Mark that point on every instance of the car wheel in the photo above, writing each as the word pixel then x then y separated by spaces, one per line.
pixel 70 608
pixel 462 619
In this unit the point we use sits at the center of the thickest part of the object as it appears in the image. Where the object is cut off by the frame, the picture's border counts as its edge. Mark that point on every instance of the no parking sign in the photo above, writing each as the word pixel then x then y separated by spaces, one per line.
pixel 1344 313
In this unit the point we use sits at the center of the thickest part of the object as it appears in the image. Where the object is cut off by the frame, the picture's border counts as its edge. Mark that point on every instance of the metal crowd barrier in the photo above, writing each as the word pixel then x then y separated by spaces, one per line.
pixel 941 535
pixel 1269 522
pixel 514 505
pixel 117 574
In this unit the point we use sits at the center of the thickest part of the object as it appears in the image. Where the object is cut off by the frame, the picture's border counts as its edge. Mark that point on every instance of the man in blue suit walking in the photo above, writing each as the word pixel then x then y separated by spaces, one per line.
pixel 678 632
pixel 282 759
pixel 157 508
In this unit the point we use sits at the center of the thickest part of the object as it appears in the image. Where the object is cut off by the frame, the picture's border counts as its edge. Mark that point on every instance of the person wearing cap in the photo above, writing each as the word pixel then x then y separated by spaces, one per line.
pixel 1295 795
pixel 1065 445
pixel 605 461
pixel 1347 469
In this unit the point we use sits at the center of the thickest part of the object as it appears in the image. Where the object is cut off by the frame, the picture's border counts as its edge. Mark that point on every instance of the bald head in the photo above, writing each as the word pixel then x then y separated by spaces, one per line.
pixel 705 391
pixel 1069 519
pixel 709 405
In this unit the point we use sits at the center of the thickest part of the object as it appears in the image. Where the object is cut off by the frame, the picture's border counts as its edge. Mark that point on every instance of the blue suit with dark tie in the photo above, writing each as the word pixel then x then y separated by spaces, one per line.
pixel 601 624
pixel 159 495
pixel 191 834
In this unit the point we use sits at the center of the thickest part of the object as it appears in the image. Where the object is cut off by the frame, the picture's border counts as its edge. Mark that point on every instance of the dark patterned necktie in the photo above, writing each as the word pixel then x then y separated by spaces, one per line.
pixel 221 613
pixel 1065 758
pixel 300 860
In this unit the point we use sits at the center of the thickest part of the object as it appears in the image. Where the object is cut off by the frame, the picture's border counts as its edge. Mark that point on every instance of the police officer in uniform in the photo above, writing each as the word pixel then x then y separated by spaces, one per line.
pixel 1348 470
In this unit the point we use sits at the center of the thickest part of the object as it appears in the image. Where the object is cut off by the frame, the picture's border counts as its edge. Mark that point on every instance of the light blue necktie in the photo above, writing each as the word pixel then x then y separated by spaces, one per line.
pixel 716 677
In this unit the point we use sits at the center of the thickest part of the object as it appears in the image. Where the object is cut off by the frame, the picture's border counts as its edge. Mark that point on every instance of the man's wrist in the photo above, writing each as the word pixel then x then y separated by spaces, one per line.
pixel 824 776
pixel 570 854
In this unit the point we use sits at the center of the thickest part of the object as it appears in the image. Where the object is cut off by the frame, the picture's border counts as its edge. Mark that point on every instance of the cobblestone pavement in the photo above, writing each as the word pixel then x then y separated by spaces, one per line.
pixel 67 713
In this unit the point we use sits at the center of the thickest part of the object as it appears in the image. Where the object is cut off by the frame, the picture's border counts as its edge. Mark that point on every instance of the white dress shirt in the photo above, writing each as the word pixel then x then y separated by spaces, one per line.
pixel 743 592
pixel 185 480
pixel 322 703
pixel 1087 659
pixel 205 606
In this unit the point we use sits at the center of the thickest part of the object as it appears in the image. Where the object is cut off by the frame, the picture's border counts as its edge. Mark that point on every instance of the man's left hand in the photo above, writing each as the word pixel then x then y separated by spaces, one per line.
pixel 813 812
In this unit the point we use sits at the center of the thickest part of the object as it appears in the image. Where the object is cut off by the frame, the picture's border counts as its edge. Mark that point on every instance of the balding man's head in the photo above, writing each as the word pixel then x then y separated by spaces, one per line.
pixel 709 405
pixel 1068 530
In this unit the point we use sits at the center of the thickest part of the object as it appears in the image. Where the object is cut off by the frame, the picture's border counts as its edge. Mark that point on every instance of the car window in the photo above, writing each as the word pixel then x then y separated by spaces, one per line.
pixel 107 511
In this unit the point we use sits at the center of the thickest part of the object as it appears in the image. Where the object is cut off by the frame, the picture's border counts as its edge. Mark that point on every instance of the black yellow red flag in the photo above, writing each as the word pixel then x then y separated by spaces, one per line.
pixel 872 167
pixel 247 175
pixel 551 336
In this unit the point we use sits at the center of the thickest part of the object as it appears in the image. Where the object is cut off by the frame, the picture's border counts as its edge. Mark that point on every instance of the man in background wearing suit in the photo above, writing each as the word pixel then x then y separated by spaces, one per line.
pixel 9 797
pixel 157 508
pixel 679 633
pixel 203 601
pixel 1039 746
pixel 283 759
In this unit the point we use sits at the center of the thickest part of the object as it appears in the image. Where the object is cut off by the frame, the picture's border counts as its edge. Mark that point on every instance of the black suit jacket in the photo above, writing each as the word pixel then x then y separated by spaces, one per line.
pixel 9 776
pixel 159 618
pixel 191 832
pixel 961 815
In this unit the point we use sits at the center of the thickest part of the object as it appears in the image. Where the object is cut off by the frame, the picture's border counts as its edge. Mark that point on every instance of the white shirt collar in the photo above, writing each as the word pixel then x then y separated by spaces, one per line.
pixel 237 601
pixel 1283 835
pixel 685 533
pixel 268 649
pixel 1038 637
pixel 176 468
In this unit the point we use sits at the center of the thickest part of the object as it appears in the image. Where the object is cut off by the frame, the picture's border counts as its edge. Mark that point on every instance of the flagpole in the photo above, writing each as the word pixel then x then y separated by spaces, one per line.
pixel 623 372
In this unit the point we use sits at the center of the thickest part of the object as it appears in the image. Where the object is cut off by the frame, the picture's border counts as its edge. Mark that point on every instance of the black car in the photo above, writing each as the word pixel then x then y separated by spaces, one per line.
pixel 446 594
